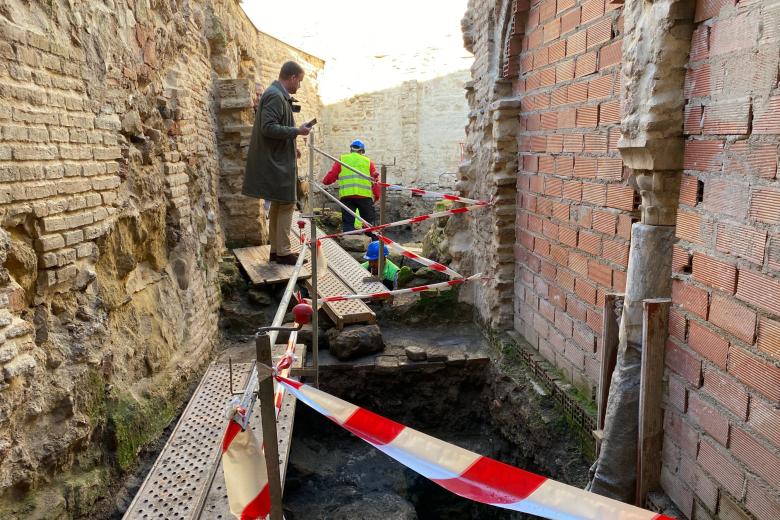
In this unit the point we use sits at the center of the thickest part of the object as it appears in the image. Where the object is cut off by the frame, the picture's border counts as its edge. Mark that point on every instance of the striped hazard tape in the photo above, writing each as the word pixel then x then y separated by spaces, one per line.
pixel 413 220
pixel 435 194
pixel 408 290
pixel 466 473
pixel 243 459
pixel 436 266
pixel 398 248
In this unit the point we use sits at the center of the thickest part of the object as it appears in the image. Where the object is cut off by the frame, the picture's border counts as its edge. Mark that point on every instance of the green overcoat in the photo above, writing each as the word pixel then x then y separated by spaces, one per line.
pixel 271 167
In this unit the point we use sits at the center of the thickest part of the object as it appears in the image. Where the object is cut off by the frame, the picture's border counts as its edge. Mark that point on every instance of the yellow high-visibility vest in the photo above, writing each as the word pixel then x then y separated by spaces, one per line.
pixel 350 183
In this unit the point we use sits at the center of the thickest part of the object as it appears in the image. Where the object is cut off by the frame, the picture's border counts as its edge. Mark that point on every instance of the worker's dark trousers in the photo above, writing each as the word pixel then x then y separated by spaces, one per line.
pixel 366 207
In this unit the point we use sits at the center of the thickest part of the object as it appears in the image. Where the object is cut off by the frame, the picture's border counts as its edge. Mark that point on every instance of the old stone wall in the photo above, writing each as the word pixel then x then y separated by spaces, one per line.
pixel 112 230
pixel 419 125
pixel 576 202
pixel 484 242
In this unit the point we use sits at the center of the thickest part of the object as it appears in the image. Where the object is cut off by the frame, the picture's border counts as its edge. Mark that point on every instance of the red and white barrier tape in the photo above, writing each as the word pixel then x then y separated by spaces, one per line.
pixel 243 459
pixel 436 194
pixel 413 220
pixel 436 266
pixel 398 248
pixel 398 187
pixel 466 473
pixel 385 294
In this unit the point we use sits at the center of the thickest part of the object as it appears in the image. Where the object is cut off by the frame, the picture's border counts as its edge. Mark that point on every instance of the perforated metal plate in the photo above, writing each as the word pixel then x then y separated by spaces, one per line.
pixel 344 312
pixel 330 283
pixel 176 486
pixel 349 269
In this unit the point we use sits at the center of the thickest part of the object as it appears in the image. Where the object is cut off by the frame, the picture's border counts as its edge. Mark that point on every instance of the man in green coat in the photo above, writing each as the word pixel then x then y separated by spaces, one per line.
pixel 271 165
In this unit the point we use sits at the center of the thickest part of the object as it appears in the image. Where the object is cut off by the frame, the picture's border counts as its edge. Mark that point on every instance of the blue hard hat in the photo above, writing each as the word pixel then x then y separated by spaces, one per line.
pixel 357 144
pixel 372 253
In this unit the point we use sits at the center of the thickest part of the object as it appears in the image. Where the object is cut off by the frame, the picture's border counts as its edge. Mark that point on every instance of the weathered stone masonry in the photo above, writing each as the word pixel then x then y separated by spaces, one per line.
pixel 576 202
pixel 111 150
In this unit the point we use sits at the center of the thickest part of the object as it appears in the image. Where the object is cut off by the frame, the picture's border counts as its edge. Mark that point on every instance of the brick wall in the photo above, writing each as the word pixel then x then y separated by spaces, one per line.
pixel 574 207
pixel 722 447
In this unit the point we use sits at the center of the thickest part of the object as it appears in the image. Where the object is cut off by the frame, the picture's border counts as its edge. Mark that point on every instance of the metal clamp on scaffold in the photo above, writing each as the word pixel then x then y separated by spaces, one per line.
pixel 262 372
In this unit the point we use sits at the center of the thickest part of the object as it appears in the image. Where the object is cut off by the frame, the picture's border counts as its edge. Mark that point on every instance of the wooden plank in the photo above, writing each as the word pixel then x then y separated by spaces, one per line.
pixel 255 262
pixel 608 359
pixel 654 333
pixel 265 394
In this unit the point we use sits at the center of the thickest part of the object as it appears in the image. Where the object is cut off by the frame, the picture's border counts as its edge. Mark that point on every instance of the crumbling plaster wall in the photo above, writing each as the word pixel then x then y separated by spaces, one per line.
pixel 112 231
pixel 417 124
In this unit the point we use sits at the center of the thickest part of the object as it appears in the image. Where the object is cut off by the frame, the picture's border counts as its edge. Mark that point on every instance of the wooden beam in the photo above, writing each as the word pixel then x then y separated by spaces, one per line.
pixel 654 333
pixel 608 358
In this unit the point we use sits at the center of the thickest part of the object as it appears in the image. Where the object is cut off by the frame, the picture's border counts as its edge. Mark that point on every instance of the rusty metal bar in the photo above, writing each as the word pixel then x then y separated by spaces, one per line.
pixel 654 331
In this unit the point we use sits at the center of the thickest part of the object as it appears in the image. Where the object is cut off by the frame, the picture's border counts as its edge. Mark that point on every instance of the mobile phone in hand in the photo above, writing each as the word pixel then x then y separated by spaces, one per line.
pixel 311 123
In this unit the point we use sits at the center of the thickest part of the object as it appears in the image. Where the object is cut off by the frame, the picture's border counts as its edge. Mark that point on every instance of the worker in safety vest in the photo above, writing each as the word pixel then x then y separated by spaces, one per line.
pixel 355 192
pixel 390 278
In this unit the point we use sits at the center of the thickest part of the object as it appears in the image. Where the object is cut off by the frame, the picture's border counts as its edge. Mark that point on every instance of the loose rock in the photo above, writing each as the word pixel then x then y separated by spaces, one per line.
pixel 355 341
pixel 416 353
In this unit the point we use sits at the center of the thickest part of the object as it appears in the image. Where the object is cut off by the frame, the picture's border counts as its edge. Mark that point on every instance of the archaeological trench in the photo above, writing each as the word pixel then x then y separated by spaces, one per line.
pixel 629 148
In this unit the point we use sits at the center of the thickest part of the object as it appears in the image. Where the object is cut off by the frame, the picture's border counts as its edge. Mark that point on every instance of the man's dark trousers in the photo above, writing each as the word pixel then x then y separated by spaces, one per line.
pixel 363 204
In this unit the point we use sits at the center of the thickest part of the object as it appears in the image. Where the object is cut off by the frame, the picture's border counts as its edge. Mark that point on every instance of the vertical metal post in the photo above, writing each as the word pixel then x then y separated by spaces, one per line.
pixel 265 392
pixel 651 415
pixel 382 194
pixel 314 297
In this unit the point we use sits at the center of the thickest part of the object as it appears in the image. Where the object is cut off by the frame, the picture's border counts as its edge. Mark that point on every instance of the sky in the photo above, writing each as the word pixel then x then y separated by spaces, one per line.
pixel 370 45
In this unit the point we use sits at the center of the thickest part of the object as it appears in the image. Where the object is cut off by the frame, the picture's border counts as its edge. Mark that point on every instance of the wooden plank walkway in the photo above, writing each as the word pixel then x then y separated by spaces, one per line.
pixel 186 481
pixel 261 271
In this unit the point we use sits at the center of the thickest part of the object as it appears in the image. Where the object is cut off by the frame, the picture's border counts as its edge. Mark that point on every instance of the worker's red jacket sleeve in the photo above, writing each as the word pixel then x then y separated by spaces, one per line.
pixel 374 187
pixel 333 175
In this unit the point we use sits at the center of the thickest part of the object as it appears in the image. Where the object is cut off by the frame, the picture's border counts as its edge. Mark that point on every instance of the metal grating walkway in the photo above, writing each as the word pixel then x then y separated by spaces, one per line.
pixel 177 483
pixel 186 481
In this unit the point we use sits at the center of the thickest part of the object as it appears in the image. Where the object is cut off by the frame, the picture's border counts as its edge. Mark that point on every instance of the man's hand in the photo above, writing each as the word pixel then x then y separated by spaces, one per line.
pixel 304 130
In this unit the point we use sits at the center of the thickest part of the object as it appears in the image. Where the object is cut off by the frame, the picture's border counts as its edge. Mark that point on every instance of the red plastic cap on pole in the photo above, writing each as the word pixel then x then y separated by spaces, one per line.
pixel 301 224
pixel 302 313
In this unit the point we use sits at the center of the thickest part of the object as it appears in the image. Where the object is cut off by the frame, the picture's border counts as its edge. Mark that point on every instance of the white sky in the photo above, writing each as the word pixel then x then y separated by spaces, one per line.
pixel 369 45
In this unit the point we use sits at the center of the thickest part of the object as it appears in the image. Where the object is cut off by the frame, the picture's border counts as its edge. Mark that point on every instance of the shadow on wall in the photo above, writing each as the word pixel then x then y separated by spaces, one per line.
pixel 420 125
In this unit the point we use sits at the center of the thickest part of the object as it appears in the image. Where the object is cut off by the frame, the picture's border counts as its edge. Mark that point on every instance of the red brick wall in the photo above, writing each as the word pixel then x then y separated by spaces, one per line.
pixel 574 209
pixel 721 449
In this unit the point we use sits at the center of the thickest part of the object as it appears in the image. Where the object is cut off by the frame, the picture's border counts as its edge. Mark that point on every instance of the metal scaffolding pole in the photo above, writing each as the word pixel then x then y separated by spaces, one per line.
pixel 314 274
pixel 382 195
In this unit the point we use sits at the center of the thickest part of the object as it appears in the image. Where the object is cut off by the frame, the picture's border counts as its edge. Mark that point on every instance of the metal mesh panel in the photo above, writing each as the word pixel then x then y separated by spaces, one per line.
pixel 178 481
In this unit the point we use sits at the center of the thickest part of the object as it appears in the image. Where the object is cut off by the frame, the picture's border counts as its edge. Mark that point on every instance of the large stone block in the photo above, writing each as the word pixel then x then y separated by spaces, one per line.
pixel 355 341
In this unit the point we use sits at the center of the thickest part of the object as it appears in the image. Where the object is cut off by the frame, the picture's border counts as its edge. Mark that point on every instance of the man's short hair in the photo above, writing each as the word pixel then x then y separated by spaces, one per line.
pixel 290 69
